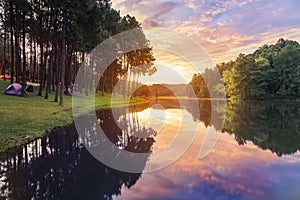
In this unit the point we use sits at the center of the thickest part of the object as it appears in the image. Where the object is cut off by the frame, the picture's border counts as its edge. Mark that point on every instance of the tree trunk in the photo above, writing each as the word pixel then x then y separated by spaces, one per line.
pixel 54 63
pixel 34 63
pixel 4 53
pixel 68 68
pixel 82 63
pixel 49 77
pixel 30 60
pixel 12 59
pixel 57 75
pixel 24 59
pixel 41 75
pixel 63 57
pixel 46 53
pixel 17 61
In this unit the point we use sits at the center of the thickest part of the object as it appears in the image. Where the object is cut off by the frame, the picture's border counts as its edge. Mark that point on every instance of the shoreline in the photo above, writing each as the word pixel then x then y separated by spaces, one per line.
pixel 25 119
pixel 28 139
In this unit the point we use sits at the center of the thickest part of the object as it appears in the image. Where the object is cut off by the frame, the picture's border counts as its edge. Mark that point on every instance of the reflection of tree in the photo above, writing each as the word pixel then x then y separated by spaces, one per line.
pixel 210 112
pixel 58 166
pixel 204 109
pixel 272 125
pixel 126 132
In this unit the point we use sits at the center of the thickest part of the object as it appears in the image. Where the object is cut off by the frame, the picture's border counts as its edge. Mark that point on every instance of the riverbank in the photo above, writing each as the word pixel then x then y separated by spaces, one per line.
pixel 25 119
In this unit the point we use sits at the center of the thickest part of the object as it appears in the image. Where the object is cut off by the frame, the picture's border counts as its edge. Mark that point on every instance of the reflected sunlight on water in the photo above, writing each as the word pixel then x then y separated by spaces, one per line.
pixel 256 157
pixel 165 122
pixel 230 171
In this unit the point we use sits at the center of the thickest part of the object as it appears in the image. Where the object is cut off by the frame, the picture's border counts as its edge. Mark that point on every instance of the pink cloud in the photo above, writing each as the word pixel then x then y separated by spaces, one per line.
pixel 229 170
pixel 223 28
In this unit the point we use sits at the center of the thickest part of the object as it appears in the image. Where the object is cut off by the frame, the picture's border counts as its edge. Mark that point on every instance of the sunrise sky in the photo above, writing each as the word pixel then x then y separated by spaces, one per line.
pixel 223 28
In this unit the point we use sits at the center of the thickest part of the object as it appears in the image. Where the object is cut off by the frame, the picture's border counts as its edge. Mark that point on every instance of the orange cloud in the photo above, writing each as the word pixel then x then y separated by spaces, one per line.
pixel 229 170
pixel 223 28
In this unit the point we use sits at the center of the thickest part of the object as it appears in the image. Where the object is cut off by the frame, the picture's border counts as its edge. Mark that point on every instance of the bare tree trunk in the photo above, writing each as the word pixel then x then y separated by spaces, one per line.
pixel 34 63
pixel 4 53
pixel 82 62
pixel 74 72
pixel 30 59
pixel 49 76
pixel 41 71
pixel 17 50
pixel 54 68
pixel 57 73
pixel 41 75
pixel 68 68
pixel 24 58
pixel 46 54
pixel 63 57
pixel 12 59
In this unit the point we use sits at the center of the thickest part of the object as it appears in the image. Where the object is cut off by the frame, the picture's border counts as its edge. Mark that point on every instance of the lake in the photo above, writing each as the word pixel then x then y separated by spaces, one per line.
pixel 219 150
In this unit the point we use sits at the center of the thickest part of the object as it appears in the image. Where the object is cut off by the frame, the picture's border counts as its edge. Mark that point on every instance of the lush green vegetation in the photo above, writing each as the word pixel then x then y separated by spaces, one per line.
pixel 25 119
pixel 272 71
pixel 208 82
pixel 47 41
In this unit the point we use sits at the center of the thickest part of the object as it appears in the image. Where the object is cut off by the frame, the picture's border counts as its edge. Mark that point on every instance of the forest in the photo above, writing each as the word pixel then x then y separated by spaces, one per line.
pixel 272 71
pixel 46 41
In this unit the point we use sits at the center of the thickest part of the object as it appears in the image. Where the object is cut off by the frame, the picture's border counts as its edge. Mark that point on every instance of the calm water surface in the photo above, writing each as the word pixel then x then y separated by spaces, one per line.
pixel 256 157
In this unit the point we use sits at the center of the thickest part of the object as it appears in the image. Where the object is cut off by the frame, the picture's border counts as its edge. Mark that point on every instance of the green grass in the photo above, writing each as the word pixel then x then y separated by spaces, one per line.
pixel 23 119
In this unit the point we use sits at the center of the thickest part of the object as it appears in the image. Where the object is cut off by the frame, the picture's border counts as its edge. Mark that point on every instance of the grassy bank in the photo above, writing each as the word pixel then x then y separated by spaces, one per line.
pixel 25 119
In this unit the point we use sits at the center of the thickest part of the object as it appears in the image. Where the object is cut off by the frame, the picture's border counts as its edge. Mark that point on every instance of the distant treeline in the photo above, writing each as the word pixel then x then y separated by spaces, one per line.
pixel 47 40
pixel 272 71
pixel 164 90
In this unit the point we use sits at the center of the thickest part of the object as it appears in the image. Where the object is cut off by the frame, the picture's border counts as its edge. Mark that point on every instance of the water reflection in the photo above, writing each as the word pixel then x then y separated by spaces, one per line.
pixel 210 112
pixel 57 166
pixel 272 125
pixel 232 170
pixel 257 158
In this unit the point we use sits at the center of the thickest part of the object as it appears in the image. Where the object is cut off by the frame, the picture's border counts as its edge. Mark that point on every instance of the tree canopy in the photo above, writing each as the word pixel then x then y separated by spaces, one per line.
pixel 272 71
pixel 46 41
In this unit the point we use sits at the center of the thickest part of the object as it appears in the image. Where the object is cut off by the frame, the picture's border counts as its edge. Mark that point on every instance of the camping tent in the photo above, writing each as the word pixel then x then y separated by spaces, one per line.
pixel 14 89
pixel 30 88
pixel 68 92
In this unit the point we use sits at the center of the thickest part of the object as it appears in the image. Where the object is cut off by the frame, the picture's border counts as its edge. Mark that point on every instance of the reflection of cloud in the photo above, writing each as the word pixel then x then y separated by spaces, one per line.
pixel 224 28
pixel 229 170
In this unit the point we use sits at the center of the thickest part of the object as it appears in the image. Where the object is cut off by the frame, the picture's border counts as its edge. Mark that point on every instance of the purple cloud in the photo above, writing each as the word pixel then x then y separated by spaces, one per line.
pixel 223 28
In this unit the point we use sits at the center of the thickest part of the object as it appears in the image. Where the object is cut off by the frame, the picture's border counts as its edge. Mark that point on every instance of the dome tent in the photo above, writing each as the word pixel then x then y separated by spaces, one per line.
pixel 30 88
pixel 14 89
